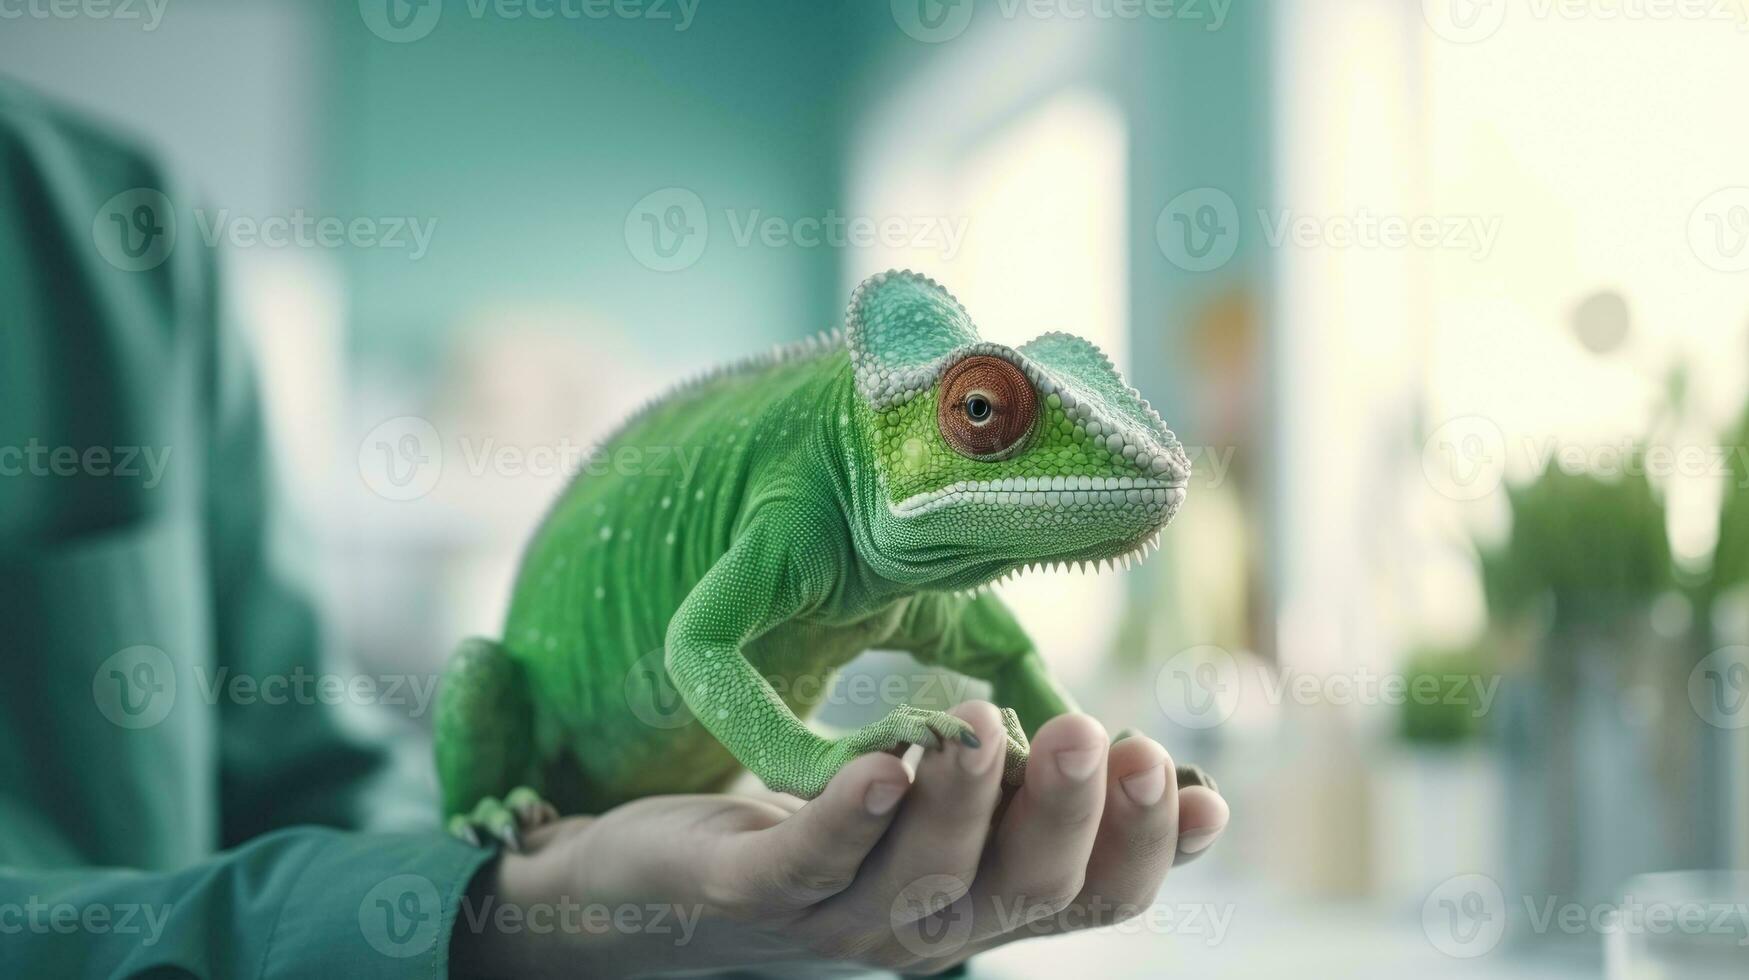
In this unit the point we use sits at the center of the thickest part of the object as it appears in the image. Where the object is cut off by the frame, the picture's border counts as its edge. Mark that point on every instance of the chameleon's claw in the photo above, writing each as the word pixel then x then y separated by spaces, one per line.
pixel 503 820
pixel 969 740
pixel 459 827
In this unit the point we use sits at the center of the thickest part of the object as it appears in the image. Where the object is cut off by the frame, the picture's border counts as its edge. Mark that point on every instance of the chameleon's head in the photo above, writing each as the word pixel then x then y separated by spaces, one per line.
pixel 991 458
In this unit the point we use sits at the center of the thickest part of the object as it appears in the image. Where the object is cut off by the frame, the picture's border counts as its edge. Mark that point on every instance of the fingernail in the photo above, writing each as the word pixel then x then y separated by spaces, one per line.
pixel 882 797
pixel 1146 787
pixel 1078 764
pixel 1198 840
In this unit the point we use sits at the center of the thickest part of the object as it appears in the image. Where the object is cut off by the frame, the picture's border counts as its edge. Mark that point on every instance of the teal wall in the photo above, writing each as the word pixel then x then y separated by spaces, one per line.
pixel 531 140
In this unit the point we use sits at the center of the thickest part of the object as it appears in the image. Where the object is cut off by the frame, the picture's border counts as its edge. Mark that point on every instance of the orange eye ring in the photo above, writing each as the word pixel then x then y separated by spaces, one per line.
pixel 987 407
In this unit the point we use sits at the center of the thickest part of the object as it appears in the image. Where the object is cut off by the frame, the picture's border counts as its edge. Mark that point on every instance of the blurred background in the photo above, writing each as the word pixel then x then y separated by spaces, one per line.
pixel 1448 298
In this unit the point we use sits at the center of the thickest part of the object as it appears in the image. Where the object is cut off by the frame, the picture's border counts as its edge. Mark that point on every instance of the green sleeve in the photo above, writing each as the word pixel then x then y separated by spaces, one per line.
pixel 305 903
pixel 109 764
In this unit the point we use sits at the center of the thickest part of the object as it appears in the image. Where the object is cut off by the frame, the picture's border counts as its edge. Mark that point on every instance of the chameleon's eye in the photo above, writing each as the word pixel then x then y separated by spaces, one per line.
pixel 987 407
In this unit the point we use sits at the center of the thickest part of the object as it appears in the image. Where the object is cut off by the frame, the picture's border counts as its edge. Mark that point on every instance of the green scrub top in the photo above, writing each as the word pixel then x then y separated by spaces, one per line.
pixel 148 826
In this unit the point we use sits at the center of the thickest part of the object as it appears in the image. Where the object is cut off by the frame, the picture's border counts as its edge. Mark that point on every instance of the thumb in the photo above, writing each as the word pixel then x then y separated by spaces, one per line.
pixel 814 853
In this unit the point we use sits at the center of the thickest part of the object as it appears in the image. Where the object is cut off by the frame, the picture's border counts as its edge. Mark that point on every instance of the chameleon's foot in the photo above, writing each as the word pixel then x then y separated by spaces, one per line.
pixel 503 820
pixel 1014 765
pixel 1194 775
pixel 906 725
pixel 1189 774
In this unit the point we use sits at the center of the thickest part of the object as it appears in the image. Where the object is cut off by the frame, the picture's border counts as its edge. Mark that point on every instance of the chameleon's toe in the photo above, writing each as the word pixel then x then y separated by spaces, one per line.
pixel 1194 775
pixel 946 727
pixel 503 820
pixel 531 810
pixel 1019 749
pixel 1189 774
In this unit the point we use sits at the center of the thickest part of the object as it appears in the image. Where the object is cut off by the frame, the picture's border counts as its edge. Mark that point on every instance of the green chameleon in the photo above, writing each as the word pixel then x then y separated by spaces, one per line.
pixel 858 490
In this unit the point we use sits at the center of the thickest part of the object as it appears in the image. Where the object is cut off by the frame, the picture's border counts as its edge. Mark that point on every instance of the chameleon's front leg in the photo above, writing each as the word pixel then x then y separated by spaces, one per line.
pixel 779 567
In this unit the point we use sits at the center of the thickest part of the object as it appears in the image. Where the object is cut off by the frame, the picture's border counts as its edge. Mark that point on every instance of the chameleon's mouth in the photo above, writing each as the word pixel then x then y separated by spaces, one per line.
pixel 1118 494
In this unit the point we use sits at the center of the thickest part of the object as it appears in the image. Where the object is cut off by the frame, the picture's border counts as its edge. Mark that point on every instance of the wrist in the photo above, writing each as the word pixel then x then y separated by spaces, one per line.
pixel 527 915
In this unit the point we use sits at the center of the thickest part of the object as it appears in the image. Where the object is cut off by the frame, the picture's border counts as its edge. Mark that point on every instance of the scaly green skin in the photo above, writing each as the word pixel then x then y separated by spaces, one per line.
pixel 772 522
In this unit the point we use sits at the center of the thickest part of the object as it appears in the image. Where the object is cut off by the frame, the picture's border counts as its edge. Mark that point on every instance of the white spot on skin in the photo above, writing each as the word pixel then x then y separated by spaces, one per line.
pixel 607 534
pixel 600 593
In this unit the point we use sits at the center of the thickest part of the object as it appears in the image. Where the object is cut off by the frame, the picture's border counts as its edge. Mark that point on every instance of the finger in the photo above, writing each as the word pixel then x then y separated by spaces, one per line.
pixel 1133 848
pixel 815 852
pixel 1038 860
pixel 930 856
pixel 1202 816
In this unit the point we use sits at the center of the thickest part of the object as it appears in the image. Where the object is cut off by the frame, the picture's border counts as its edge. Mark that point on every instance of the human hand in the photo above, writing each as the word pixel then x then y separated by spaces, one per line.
pixel 696 882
